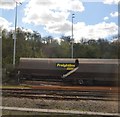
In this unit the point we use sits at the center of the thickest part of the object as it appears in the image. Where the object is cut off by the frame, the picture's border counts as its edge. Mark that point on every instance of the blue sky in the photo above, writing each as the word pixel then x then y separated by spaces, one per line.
pixel 52 17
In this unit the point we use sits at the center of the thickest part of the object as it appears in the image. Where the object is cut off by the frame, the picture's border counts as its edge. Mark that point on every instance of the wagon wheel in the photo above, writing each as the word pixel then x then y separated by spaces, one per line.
pixel 80 81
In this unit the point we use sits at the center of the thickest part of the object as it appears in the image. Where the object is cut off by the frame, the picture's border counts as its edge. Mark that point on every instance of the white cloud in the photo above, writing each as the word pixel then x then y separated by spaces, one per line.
pixel 106 18
pixel 59 27
pixel 44 12
pixel 27 30
pixel 52 14
pixel 111 1
pixel 100 30
pixel 4 24
pixel 9 4
pixel 114 14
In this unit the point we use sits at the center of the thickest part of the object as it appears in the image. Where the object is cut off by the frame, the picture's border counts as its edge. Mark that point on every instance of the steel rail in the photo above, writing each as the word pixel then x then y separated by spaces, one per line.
pixel 61 94
pixel 57 111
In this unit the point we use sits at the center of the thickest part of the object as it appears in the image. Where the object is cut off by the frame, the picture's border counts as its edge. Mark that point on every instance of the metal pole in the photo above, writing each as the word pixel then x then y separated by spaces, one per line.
pixel 72 54
pixel 14 52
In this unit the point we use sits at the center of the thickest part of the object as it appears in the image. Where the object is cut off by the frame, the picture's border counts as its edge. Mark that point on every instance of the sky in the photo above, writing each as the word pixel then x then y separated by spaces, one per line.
pixel 93 19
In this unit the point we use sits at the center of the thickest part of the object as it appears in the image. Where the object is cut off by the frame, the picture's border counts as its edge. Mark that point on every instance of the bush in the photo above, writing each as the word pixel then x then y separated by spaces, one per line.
pixel 7 73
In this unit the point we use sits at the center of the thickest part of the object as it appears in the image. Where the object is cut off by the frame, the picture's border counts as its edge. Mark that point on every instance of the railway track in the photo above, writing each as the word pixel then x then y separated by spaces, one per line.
pixel 64 92
pixel 43 82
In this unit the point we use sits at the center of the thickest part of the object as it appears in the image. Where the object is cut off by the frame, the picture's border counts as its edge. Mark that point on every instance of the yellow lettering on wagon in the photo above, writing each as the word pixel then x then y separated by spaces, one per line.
pixel 68 66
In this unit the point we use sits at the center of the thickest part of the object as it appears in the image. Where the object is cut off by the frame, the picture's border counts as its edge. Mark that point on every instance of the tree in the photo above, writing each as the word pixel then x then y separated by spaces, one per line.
pixel 7 47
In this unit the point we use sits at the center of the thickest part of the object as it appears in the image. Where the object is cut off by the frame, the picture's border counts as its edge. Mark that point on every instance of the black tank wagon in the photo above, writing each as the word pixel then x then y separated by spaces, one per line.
pixel 78 71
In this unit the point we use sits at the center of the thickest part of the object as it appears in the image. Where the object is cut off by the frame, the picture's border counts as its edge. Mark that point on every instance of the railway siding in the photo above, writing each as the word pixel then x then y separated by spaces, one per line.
pixel 69 98
pixel 64 92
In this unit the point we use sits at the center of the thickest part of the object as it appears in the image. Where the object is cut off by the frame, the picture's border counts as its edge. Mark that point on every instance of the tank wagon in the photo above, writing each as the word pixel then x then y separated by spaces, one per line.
pixel 77 71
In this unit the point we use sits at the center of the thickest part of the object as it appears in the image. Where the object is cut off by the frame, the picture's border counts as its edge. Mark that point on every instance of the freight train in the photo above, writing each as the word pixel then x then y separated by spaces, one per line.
pixel 76 71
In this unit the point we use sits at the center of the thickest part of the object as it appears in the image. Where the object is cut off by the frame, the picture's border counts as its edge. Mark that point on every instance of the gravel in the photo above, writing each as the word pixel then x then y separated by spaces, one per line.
pixel 81 105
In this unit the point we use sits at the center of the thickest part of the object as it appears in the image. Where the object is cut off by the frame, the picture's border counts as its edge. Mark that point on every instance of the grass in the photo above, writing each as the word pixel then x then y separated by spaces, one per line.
pixel 14 87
